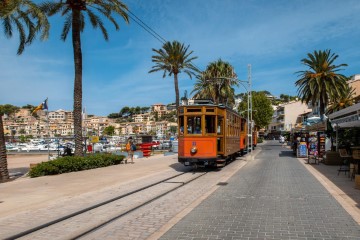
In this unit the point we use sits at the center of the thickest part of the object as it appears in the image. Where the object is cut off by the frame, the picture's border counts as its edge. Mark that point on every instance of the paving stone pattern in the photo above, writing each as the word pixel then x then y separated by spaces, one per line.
pixel 272 197
pixel 28 219
pixel 147 220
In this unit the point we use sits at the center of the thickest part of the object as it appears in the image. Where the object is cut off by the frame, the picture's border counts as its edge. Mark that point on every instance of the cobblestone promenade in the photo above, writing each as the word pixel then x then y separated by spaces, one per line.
pixel 272 197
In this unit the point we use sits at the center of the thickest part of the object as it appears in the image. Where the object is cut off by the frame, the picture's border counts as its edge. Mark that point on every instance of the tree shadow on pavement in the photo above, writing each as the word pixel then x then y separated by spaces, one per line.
pixel 287 153
pixel 18 172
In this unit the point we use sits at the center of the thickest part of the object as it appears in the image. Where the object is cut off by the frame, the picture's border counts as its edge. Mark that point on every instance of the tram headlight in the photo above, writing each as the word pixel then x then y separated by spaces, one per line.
pixel 193 150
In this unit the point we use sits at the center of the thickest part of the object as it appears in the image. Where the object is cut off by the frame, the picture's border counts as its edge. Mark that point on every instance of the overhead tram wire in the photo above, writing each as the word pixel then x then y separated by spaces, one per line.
pixel 149 29
pixel 146 27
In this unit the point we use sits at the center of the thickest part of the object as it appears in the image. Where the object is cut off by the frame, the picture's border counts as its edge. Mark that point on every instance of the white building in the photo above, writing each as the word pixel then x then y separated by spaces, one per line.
pixel 285 116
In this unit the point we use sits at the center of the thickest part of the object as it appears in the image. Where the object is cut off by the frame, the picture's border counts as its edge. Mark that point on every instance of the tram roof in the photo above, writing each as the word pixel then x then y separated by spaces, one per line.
pixel 207 103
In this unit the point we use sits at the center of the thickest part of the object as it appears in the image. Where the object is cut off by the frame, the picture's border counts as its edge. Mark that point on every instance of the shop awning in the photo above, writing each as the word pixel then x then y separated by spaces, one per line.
pixel 347 117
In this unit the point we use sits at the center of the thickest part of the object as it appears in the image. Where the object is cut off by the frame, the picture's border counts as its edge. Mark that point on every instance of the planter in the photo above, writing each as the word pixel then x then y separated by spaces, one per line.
pixel 32 165
pixel 332 158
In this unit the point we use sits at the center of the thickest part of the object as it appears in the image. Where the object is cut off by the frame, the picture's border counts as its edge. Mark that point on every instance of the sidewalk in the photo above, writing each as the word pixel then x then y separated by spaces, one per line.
pixel 26 193
pixel 339 186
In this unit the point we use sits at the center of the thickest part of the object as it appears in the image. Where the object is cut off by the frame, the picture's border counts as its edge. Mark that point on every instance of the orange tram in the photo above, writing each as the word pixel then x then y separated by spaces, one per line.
pixel 210 135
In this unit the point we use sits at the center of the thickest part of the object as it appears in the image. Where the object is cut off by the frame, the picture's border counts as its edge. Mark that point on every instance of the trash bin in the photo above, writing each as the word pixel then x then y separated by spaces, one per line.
pixel 146 149
pixel 89 148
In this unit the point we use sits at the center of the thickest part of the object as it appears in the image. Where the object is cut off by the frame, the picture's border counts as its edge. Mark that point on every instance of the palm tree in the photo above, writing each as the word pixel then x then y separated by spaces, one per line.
pixel 344 101
pixel 321 82
pixel 26 17
pixel 203 88
pixel 217 82
pixel 8 110
pixel 29 20
pixel 174 58
pixel 73 11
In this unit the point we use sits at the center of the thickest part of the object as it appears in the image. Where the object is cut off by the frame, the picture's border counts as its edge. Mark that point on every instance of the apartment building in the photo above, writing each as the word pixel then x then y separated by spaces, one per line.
pixel 355 84
pixel 61 115
pixel 286 116
pixel 159 108
pixel 144 117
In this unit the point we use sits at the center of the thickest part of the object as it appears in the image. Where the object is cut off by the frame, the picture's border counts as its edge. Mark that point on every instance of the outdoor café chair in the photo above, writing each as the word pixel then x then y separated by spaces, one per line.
pixel 344 167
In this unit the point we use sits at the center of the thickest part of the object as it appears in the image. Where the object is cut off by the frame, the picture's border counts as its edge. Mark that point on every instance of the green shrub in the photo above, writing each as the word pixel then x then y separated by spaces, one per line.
pixel 260 140
pixel 73 164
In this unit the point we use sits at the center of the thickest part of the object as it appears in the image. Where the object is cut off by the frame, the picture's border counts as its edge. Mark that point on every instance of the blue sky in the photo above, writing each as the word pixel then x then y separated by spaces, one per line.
pixel 272 36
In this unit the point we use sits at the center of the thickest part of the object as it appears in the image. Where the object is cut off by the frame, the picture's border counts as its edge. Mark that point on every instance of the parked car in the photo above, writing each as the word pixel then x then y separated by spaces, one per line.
pixel 165 144
pixel 155 145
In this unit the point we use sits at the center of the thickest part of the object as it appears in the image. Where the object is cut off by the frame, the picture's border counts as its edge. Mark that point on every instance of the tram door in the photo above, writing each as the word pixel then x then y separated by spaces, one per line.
pixel 220 135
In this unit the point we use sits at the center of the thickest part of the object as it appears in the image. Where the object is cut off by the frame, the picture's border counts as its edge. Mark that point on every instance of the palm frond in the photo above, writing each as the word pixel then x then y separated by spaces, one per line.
pixel 66 27
pixel 22 36
pixel 7 27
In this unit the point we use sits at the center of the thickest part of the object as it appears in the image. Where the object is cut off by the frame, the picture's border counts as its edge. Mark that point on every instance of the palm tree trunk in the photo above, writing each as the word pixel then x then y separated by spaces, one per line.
pixel 4 172
pixel 322 109
pixel 176 83
pixel 77 83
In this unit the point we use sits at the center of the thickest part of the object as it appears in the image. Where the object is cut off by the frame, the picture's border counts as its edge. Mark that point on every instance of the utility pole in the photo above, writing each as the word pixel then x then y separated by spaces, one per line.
pixel 249 112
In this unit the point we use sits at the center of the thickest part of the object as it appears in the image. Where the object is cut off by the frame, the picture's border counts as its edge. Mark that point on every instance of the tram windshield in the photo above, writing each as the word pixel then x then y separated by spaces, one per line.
pixel 193 125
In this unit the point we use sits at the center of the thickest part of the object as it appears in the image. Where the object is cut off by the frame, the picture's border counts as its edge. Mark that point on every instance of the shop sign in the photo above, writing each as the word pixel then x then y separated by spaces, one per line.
pixel 351 118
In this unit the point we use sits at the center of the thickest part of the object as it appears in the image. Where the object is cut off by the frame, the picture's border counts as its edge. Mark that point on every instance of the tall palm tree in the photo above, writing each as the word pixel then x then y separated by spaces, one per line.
pixel 321 82
pixel 74 13
pixel 26 17
pixel 174 58
pixel 217 83
pixel 28 20
pixel 203 88
pixel 345 100
pixel 8 110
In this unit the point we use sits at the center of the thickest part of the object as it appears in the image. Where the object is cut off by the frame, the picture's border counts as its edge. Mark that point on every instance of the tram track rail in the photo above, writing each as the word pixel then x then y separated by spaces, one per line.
pixel 89 230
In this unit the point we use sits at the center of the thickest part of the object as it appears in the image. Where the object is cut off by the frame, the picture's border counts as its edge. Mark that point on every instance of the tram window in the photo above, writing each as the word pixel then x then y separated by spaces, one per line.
pixel 193 125
pixel 181 124
pixel 242 128
pixel 209 124
pixel 220 144
pixel 194 110
pixel 220 125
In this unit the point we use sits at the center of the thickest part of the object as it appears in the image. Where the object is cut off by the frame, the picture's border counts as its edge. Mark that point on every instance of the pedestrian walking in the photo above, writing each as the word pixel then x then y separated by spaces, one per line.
pixel 130 148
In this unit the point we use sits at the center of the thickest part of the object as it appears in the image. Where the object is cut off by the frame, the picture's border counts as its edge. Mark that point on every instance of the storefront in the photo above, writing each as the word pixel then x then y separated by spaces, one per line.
pixel 346 122
pixel 347 119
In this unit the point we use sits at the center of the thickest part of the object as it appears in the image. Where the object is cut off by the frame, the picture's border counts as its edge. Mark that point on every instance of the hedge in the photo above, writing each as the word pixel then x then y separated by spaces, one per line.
pixel 74 164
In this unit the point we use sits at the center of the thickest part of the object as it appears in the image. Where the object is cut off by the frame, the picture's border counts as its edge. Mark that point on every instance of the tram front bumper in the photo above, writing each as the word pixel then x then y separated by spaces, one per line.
pixel 198 161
